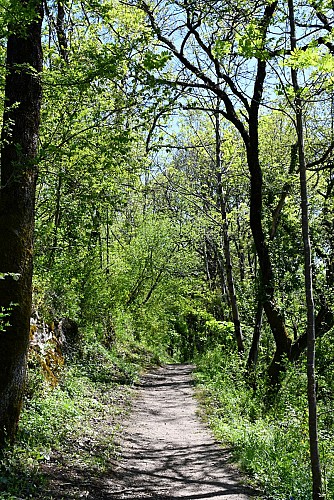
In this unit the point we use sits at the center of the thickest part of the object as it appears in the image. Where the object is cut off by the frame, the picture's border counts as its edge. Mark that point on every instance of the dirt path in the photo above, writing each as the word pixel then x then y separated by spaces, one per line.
pixel 167 452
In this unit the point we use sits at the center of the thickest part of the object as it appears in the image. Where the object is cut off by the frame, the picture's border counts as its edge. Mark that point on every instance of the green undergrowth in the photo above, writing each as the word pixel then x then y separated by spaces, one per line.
pixel 74 423
pixel 269 441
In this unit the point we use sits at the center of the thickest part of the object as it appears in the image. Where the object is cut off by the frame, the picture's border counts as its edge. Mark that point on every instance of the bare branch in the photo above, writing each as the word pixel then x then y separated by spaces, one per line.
pixel 323 158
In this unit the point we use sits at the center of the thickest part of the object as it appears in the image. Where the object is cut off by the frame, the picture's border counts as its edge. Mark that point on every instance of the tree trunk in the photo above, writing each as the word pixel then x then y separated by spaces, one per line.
pixel 285 191
pixel 17 201
pixel 311 380
pixel 274 316
pixel 61 33
pixel 254 350
pixel 57 219
pixel 226 240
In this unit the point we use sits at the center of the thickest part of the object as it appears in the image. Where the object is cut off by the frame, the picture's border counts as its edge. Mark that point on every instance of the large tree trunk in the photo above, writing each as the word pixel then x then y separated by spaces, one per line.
pixel 17 201
pixel 274 316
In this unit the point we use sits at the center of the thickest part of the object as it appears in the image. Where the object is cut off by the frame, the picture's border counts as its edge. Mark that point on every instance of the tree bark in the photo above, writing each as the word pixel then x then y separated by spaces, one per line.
pixel 17 201
pixel 311 377
pixel 274 316
pixel 60 29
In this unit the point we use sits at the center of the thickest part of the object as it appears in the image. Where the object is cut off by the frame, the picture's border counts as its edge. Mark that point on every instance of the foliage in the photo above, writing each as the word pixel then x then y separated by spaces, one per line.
pixel 129 230
pixel 270 443
pixel 92 389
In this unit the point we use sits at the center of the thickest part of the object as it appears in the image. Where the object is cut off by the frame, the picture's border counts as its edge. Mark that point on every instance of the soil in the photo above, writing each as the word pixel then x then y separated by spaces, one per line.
pixel 166 451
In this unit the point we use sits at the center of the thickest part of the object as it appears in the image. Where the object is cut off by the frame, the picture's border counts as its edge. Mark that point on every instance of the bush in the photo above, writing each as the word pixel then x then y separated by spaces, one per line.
pixel 55 419
pixel 269 442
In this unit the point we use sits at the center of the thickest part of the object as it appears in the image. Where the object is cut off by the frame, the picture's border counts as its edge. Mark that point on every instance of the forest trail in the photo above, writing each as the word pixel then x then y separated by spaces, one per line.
pixel 167 451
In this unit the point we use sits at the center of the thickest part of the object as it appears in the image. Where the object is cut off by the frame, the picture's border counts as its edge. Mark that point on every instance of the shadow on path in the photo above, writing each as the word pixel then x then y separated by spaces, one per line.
pixel 166 451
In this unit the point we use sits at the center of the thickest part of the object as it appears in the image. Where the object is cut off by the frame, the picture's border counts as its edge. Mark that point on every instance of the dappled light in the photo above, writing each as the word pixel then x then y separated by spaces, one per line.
pixel 166 209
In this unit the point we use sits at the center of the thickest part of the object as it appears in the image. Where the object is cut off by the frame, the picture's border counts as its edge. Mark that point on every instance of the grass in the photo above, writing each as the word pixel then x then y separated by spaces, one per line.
pixel 71 430
pixel 270 443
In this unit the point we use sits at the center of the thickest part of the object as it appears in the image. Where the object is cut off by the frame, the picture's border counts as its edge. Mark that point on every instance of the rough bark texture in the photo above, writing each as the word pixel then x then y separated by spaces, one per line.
pixel 17 200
